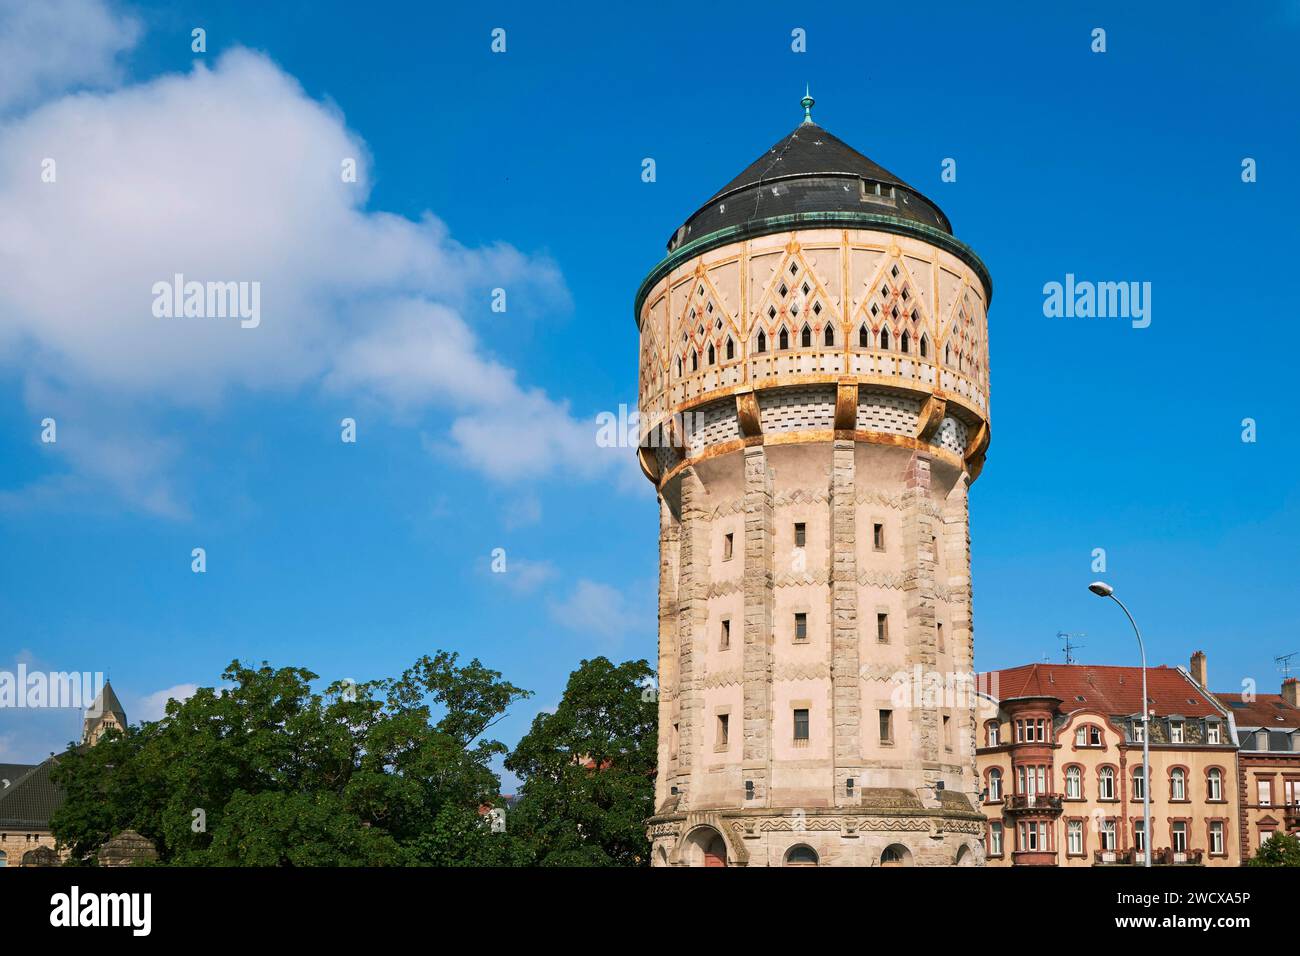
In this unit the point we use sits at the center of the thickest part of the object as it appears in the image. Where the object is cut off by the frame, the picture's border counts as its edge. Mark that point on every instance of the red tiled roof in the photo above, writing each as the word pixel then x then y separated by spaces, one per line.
pixel 1266 710
pixel 1111 690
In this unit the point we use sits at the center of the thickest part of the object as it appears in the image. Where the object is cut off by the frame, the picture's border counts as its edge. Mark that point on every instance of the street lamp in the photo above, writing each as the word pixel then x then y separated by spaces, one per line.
pixel 1102 589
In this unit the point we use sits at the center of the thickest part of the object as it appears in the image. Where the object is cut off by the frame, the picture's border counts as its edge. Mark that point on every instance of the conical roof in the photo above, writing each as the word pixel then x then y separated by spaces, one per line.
pixel 809 170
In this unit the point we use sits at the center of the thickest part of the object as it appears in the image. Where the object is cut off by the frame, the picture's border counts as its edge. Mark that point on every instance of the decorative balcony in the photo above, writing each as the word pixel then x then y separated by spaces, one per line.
pixel 1161 856
pixel 1032 803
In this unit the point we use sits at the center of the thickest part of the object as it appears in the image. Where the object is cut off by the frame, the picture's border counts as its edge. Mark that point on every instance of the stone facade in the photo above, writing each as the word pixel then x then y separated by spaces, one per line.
pixel 813 410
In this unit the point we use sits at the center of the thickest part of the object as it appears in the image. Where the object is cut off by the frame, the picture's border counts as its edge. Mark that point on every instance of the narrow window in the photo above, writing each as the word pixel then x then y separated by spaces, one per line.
pixel 1177 784
pixel 723 721
pixel 1139 836
pixel 864 337
pixel 800 534
pixel 1074 838
pixel 995 839
pixel 828 336
pixel 1175 731
pixel 1265 793
pixel 726 546
pixel 1214 785
pixel 947 732
pixel 995 785
pixel 695 361
pixel 1106 784
pixel 884 338
pixel 925 346
pixel 905 343
pixel 762 341
pixel 995 734
pixel 731 349
pixel 712 355
pixel 1139 784
pixel 783 339
pixel 801 626
pixel 1180 837
pixel 805 338
pixel 1216 838
pixel 724 641
pixel 882 628
pixel 886 726
pixel 1212 734
pixel 679 366
pixel 878 536
pixel 801 724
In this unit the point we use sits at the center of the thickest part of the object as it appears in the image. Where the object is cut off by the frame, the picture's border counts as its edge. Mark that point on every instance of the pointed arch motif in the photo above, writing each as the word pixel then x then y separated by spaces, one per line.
pixel 783 339
pixel 712 354
pixel 805 337
pixel 731 348
pixel 884 337
pixel 828 336
pixel 864 337
pixel 762 341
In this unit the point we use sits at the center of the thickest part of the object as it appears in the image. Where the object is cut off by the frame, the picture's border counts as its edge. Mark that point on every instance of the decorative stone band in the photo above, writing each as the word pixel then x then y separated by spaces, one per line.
pixel 815 412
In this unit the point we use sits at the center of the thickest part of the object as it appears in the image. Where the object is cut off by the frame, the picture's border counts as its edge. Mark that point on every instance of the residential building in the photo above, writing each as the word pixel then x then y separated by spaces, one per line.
pixel 1061 768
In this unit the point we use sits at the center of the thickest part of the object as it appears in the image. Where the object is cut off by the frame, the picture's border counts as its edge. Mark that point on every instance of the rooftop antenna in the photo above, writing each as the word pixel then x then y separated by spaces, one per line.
pixel 1069 644
pixel 1284 663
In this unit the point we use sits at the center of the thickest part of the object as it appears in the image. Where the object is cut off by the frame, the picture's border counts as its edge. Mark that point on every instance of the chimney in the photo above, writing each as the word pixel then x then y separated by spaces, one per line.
pixel 1198 669
pixel 1289 691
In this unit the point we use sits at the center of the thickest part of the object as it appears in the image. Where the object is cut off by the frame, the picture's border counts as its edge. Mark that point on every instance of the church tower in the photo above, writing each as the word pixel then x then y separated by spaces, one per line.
pixel 104 713
pixel 814 406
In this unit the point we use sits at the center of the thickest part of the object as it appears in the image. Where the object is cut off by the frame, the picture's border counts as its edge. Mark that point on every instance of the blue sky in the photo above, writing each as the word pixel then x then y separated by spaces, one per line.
pixel 522 170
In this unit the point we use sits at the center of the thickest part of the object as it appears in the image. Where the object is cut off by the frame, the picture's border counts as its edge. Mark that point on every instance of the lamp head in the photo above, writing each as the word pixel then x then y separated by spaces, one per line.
pixel 1101 589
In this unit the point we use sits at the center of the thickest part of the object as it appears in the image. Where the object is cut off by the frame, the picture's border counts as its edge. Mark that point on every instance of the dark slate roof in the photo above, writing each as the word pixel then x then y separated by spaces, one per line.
pixel 809 170
pixel 29 800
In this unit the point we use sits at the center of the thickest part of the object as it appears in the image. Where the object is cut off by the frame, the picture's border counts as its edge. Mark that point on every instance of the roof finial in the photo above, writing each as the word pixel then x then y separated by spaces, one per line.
pixel 807 103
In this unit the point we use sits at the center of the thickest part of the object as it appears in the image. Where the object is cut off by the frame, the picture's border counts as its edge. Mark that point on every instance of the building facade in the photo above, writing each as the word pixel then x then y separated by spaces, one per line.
pixel 813 408
pixel 1267 730
pixel 28 797
pixel 1061 777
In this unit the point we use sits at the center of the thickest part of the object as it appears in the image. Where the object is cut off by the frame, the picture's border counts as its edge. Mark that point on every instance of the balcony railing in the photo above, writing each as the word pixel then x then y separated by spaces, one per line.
pixel 1038 802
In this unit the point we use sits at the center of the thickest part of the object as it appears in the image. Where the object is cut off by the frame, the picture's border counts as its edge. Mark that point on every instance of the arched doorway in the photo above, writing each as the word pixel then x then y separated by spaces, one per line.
pixel 896 855
pixel 704 846
pixel 965 856
pixel 715 852
pixel 801 855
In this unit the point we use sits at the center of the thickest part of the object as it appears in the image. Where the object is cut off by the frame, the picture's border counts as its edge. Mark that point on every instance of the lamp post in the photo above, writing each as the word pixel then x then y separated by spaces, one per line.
pixel 1102 589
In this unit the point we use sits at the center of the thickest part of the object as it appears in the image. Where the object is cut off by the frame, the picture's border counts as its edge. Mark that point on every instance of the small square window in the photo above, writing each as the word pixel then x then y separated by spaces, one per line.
pixel 727 544
pixel 801 724
pixel 878 536
pixel 801 626
pixel 882 628
pixel 800 534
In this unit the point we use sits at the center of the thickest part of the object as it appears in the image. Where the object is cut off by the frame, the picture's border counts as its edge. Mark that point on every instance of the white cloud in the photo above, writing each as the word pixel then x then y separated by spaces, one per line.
pixel 232 173
pixel 154 706
pixel 49 46
pixel 594 608
pixel 524 576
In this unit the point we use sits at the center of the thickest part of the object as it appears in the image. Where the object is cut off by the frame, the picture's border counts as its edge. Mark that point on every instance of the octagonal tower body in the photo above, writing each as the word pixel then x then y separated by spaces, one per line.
pixel 814 406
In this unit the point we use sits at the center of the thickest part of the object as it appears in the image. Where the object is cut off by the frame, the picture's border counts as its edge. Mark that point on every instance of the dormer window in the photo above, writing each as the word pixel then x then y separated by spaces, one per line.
pixel 1175 731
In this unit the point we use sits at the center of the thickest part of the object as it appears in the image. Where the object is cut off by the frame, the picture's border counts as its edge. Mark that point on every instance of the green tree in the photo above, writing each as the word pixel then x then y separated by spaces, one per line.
pixel 267 772
pixel 588 770
pixel 1281 849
